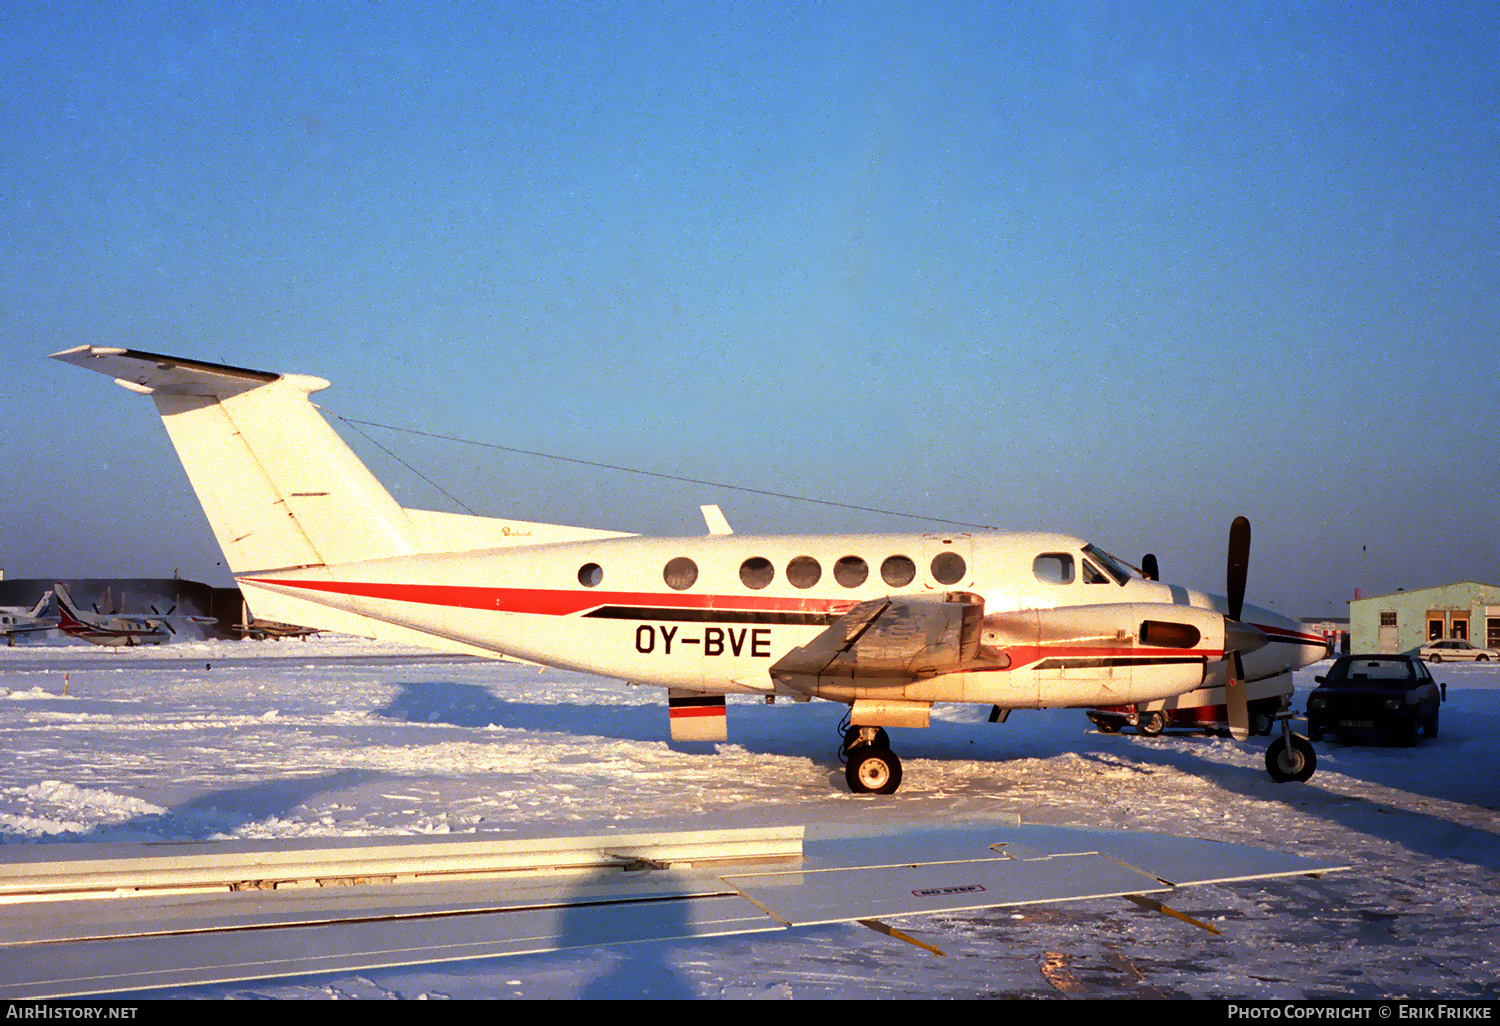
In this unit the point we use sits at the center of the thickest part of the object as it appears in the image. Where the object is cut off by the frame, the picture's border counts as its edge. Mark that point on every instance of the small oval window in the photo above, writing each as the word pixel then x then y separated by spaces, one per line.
pixel 680 573
pixel 756 572
pixel 898 571
pixel 590 574
pixel 948 568
pixel 804 572
pixel 851 571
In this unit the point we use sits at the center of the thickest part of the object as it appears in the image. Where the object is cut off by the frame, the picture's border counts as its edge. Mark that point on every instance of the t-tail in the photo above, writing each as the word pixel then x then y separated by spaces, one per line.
pixel 282 490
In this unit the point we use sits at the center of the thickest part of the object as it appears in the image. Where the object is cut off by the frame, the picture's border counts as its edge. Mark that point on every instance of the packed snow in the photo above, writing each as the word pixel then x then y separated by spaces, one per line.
pixel 337 736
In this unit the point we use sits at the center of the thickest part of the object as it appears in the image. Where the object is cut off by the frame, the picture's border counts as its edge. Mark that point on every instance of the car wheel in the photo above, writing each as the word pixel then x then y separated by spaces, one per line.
pixel 1261 723
pixel 1483 659
pixel 1434 658
pixel 1430 728
pixel 1294 762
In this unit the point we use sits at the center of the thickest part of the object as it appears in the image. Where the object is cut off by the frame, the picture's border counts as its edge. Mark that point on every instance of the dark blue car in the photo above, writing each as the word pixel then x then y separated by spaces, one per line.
pixel 1388 695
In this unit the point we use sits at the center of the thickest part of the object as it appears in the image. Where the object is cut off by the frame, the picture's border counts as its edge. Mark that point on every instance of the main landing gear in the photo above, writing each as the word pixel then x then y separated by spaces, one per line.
pixel 1291 758
pixel 870 765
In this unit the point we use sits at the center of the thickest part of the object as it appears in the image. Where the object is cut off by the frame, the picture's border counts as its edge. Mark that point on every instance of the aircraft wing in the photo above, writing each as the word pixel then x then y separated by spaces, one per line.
pixel 895 639
pixel 215 912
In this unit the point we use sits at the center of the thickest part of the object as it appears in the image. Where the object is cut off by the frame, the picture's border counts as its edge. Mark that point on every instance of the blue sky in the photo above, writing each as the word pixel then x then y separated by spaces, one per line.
pixel 1118 270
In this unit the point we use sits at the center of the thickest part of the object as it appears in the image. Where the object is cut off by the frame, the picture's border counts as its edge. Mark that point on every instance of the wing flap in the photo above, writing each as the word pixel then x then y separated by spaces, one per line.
pixel 836 896
pixel 505 895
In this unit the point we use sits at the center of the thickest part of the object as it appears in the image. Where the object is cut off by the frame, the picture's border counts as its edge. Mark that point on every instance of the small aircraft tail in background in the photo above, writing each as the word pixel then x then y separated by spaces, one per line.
pixel 104 629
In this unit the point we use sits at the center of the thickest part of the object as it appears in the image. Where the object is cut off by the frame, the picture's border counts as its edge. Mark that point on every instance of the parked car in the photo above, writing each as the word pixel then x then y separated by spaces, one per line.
pixel 1389 695
pixel 1456 650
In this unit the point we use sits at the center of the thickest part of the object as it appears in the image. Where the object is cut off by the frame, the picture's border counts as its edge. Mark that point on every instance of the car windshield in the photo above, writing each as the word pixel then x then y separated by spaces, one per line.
pixel 1366 673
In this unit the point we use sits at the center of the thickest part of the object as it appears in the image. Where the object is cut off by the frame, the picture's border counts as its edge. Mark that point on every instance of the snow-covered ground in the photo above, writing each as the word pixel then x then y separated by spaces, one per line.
pixel 340 737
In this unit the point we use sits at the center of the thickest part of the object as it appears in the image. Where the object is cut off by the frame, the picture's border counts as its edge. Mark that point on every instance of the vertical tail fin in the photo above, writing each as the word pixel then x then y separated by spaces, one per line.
pixel 279 487
pixel 68 619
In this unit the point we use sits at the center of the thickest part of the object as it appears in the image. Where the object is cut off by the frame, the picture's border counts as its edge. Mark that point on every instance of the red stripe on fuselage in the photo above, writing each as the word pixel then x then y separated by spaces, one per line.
pixel 547 602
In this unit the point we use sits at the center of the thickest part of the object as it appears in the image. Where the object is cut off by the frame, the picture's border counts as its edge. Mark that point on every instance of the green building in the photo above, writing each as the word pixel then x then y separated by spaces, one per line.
pixel 1407 620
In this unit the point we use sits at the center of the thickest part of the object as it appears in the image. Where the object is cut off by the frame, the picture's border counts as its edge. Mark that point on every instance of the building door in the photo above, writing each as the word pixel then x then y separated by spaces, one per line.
pixel 1389 641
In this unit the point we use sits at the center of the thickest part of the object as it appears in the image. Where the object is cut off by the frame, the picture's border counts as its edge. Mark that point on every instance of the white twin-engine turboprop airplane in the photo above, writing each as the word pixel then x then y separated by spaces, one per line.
pixel 887 624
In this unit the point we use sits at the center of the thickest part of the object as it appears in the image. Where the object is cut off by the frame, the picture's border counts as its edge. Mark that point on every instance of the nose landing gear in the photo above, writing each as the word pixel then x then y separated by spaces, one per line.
pixel 1291 757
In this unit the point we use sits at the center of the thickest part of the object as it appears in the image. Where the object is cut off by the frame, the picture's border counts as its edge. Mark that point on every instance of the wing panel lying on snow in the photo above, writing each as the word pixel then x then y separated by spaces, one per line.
pixel 358 904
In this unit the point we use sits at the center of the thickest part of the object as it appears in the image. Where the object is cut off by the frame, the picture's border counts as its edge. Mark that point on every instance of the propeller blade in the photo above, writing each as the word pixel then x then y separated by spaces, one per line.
pixel 1236 701
pixel 1149 568
pixel 1239 564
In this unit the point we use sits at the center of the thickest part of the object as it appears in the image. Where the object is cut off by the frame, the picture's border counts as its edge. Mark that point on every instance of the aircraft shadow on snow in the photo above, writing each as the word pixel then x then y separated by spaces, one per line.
pixel 1429 833
pixel 225 810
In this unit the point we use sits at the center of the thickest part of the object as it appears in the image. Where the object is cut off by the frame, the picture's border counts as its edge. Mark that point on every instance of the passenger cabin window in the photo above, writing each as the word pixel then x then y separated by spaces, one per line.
pixel 804 572
pixel 756 572
pixel 590 574
pixel 680 573
pixel 851 571
pixel 948 568
pixel 1053 568
pixel 898 571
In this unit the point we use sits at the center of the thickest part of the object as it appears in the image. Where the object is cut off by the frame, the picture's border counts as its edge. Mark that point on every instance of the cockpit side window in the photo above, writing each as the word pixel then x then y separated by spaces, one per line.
pixel 1053 567
pixel 1092 574
pixel 1111 565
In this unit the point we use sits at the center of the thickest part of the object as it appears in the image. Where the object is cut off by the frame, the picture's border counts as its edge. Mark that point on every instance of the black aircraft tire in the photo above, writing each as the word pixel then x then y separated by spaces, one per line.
pixel 1296 763
pixel 872 770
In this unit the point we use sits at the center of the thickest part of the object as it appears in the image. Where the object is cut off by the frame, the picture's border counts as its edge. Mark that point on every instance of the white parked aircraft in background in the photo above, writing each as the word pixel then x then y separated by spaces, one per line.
pixel 887 624
pixel 20 620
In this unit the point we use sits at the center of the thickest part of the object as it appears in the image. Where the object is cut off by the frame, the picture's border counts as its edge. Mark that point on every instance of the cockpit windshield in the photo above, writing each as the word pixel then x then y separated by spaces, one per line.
pixel 1111 565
